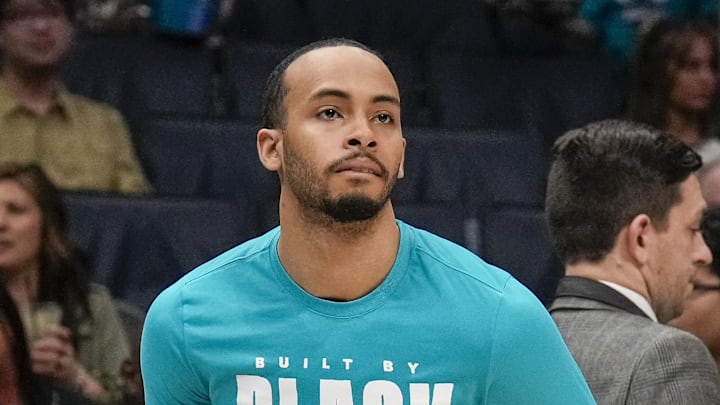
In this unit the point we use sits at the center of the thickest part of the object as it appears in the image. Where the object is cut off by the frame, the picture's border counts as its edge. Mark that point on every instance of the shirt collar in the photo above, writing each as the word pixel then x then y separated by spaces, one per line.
pixel 633 296
pixel 9 103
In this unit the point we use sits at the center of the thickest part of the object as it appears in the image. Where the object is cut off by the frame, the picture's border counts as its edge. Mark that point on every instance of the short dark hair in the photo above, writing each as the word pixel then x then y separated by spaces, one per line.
pixel 711 233
pixel 274 113
pixel 667 42
pixel 605 174
pixel 67 5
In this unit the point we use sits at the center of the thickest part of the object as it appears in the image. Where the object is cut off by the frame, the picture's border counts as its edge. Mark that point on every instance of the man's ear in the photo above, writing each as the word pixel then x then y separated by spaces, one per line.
pixel 269 145
pixel 401 169
pixel 640 238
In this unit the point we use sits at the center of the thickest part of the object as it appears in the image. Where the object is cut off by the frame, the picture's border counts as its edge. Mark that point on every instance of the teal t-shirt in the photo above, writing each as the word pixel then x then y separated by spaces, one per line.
pixel 443 328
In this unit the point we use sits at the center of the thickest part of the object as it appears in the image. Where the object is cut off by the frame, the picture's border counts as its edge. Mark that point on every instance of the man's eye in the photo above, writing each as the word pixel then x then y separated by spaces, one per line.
pixel 384 118
pixel 329 114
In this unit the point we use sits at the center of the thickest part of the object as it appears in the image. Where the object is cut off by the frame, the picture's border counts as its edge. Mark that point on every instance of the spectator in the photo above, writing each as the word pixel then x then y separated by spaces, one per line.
pixel 38 264
pixel 18 384
pixel 616 24
pixel 81 144
pixel 675 83
pixel 700 316
pixel 343 303
pixel 624 211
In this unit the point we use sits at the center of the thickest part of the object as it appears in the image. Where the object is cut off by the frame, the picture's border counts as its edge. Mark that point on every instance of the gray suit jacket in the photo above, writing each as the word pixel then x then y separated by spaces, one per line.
pixel 626 357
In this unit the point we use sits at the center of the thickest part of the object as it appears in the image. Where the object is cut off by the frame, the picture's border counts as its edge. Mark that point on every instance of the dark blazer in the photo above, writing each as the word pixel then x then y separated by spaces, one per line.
pixel 626 357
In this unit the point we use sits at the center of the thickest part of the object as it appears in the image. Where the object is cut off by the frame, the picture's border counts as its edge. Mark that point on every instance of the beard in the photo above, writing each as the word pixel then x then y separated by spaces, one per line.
pixel 352 208
pixel 314 196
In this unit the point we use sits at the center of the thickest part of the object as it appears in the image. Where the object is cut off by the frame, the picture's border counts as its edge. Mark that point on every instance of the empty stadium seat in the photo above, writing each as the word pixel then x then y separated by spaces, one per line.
pixel 99 68
pixel 277 22
pixel 172 77
pixel 551 95
pixel 474 91
pixel 470 27
pixel 518 240
pixel 248 66
pixel 137 246
pixel 473 170
pixel 575 92
pixel 212 158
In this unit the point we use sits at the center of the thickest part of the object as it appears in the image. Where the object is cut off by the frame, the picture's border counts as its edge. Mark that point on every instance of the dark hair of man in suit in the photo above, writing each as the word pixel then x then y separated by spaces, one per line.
pixel 273 109
pixel 68 7
pixel 605 174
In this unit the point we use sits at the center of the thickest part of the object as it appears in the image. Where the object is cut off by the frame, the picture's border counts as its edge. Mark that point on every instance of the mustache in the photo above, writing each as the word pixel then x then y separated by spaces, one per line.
pixel 384 173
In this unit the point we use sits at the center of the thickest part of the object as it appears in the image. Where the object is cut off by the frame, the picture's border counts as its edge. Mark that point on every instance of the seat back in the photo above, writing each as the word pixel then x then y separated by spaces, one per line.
pixel 137 246
pixel 476 169
pixel 518 240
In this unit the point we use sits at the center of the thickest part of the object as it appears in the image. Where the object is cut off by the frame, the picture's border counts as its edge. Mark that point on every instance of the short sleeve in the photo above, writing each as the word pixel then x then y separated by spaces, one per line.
pixel 530 362
pixel 168 376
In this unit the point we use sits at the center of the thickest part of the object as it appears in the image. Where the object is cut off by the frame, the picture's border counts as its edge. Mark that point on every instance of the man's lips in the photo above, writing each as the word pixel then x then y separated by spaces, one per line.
pixel 359 166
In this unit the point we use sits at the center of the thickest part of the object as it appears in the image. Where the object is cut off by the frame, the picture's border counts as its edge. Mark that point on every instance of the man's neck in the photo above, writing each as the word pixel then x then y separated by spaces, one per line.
pixel 35 90
pixel 337 261
pixel 615 271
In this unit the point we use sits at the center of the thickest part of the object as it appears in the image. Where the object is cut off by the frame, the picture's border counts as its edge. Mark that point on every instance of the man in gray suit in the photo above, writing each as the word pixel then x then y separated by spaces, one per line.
pixel 624 209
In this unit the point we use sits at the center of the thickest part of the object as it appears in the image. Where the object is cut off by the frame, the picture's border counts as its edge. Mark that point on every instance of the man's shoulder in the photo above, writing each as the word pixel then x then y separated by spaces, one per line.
pixel 602 328
pixel 671 338
pixel 440 249
pixel 441 256
pixel 589 315
pixel 242 257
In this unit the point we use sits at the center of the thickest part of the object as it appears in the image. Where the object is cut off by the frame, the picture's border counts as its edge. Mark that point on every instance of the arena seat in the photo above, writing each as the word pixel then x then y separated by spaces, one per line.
pixel 137 246
pixel 248 66
pixel 517 239
pixel 478 91
pixel 476 169
pixel 172 77
pixel 99 68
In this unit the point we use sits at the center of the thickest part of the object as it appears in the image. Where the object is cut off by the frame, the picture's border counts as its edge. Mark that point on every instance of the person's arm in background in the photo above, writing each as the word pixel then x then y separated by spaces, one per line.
pixel 106 345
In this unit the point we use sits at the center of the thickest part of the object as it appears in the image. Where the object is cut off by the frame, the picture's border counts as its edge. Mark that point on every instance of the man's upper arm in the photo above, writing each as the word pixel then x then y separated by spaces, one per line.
pixel 530 362
pixel 167 374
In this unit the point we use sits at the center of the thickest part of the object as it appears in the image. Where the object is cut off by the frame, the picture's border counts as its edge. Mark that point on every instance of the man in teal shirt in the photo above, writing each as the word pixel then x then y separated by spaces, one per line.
pixel 343 303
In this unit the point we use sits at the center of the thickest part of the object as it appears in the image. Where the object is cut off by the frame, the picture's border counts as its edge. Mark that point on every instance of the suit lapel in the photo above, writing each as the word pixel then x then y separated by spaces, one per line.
pixel 571 286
